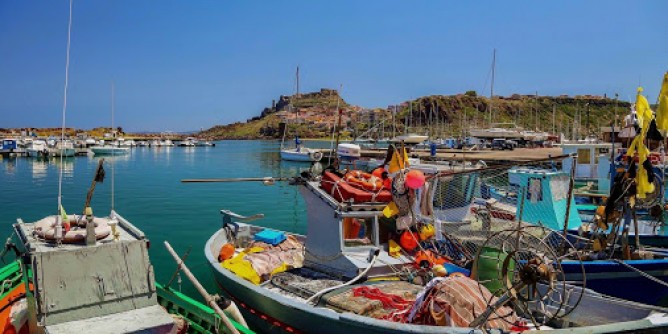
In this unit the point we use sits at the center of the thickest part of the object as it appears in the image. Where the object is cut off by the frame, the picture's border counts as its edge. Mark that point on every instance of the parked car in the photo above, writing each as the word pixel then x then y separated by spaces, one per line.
pixel 502 144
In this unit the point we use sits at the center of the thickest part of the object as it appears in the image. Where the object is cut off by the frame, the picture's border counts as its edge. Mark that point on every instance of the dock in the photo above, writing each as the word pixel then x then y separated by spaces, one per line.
pixel 488 156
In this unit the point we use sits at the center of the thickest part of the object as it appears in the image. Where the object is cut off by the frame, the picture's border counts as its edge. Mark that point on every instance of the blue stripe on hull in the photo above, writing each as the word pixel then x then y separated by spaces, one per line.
pixel 614 279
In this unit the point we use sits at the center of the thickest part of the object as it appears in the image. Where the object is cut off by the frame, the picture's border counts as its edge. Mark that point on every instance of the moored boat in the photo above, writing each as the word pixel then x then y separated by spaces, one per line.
pixel 110 150
pixel 345 276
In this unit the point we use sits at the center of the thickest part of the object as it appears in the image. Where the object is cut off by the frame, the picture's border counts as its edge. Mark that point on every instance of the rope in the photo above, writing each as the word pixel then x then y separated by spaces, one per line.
pixel 642 273
pixel 355 279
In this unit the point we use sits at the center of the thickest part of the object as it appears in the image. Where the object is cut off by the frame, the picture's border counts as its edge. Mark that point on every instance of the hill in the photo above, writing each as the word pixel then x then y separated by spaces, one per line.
pixel 311 115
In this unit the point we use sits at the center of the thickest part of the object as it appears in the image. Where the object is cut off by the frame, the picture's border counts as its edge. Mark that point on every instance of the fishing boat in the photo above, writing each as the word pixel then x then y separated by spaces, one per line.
pixel 300 153
pixel 37 148
pixel 109 150
pixel 62 148
pixel 410 139
pixel 539 196
pixel 188 142
pixel 345 275
pixel 116 286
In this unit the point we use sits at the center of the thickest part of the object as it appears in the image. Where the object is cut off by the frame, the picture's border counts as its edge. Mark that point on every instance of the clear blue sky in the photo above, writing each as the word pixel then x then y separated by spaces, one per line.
pixel 185 65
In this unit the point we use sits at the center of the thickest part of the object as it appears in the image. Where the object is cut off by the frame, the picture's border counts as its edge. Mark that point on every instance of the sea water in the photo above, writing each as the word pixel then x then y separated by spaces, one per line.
pixel 149 193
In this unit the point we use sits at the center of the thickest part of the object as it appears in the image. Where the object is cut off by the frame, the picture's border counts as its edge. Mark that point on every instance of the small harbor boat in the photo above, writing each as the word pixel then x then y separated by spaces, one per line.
pixel 62 148
pixel 410 139
pixel 300 153
pixel 188 142
pixel 37 148
pixel 109 150
pixel 352 272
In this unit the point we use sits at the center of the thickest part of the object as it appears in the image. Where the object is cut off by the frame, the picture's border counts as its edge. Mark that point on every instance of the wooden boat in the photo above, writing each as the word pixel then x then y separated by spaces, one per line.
pixel 200 318
pixel 320 296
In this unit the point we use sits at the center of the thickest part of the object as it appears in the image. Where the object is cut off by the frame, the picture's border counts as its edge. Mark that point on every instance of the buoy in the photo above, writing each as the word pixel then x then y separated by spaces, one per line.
pixel 439 270
pixel 414 179
pixel 378 172
pixel 226 252
pixel 408 240
pixel 426 232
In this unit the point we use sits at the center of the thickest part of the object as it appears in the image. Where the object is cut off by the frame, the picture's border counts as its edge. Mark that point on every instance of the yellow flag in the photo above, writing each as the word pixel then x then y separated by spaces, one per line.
pixel 662 110
pixel 643 111
pixel 398 162
pixel 390 210
pixel 63 213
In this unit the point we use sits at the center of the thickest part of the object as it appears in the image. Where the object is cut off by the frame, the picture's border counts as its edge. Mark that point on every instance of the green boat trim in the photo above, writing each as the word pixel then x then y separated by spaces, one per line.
pixel 201 318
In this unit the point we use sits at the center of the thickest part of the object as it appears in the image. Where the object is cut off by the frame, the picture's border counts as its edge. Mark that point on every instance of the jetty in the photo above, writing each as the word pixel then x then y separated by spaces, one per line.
pixel 453 155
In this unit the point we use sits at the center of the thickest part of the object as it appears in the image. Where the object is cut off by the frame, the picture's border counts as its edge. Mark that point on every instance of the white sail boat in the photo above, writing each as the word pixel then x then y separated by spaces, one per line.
pixel 114 148
pixel 299 152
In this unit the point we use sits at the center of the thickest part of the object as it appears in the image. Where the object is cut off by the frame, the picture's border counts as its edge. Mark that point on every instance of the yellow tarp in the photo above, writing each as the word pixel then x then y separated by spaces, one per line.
pixel 662 110
pixel 645 116
pixel 643 111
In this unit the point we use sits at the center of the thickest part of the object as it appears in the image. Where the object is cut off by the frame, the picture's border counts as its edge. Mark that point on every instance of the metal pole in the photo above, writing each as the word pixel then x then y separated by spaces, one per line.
pixel 207 297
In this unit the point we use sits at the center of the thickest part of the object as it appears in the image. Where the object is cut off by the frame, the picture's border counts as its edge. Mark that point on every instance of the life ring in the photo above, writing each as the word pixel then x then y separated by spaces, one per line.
pixel 364 180
pixel 45 229
pixel 316 156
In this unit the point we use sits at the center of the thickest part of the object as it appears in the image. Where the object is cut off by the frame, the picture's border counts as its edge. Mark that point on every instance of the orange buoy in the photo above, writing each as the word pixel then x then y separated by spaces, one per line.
pixel 226 252
pixel 408 240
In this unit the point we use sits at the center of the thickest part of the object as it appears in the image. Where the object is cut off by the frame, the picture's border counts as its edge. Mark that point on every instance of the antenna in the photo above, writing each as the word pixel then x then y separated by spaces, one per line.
pixel 62 134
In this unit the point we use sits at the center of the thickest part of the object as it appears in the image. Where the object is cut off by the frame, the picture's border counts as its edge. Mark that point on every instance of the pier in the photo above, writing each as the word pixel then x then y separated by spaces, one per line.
pixel 489 156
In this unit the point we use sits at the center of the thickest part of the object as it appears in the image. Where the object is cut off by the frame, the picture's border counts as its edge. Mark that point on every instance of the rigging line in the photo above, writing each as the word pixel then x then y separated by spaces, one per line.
pixel 62 133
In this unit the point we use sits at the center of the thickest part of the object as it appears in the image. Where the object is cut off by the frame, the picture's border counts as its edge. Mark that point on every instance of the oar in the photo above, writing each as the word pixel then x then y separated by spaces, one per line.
pixel 209 299
pixel 267 179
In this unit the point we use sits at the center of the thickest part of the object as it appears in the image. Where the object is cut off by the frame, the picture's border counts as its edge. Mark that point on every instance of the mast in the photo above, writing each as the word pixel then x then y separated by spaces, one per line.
pixel 113 132
pixel 62 135
pixel 297 80
pixel 491 88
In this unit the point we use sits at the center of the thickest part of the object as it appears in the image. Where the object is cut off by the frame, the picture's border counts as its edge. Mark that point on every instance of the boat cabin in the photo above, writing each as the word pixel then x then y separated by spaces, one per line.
pixel 105 287
pixel 592 162
pixel 342 237
pixel 545 197
pixel 9 144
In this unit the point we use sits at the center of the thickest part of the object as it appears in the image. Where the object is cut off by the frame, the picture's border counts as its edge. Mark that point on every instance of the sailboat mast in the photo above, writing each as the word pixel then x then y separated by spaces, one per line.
pixel 491 88
pixel 62 134
pixel 297 81
pixel 113 132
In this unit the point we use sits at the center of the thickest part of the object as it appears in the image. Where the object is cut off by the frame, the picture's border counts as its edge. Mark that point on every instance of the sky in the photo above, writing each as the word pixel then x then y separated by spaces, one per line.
pixel 187 65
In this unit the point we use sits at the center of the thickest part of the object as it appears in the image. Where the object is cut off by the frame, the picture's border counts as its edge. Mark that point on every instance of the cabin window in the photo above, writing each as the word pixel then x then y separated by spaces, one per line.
pixel 359 231
pixel 535 190
pixel 584 156
pixel 559 186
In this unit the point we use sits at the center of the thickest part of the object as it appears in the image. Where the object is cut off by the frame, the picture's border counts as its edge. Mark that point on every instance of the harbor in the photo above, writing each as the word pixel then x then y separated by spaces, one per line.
pixel 297 168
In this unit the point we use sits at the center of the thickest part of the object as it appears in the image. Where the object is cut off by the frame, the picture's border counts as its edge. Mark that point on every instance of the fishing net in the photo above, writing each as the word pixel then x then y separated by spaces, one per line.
pixel 507 224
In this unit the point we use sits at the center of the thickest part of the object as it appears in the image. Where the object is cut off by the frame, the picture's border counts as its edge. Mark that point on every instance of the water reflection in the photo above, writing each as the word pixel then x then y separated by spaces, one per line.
pixel 66 164
pixel 40 168
pixel 10 164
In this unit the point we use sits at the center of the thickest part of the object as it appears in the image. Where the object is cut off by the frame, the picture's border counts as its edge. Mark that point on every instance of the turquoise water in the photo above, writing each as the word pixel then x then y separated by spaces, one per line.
pixel 148 192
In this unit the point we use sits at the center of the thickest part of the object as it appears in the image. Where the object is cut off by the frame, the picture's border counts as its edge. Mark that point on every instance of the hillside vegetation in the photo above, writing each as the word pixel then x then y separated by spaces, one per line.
pixel 438 115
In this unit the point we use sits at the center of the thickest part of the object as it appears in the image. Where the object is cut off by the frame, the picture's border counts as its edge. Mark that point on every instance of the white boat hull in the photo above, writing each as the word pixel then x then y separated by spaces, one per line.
pixel 110 150
pixel 301 155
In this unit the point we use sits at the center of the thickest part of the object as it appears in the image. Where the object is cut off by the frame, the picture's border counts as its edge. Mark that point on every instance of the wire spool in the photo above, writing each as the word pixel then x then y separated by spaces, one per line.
pixel 523 267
